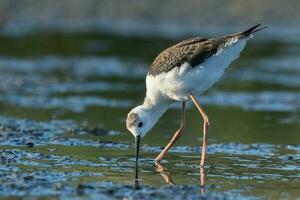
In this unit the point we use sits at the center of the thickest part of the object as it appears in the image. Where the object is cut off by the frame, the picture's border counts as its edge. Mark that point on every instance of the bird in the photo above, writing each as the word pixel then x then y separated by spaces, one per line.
pixel 181 73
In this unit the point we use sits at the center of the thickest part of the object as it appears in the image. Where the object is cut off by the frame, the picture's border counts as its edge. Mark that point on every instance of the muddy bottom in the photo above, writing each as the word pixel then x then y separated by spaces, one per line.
pixel 59 158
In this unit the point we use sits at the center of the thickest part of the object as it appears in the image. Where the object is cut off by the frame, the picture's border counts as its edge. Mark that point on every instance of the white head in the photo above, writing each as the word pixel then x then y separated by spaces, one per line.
pixel 143 117
pixel 140 120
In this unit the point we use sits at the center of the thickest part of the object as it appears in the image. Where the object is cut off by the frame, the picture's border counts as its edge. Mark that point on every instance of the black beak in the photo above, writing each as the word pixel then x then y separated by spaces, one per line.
pixel 137 148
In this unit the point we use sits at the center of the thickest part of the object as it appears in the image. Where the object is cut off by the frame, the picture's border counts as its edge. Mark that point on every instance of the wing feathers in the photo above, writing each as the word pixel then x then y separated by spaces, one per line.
pixel 195 51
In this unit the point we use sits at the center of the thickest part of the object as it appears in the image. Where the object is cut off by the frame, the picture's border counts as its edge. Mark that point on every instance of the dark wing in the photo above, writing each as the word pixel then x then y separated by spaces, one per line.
pixel 194 51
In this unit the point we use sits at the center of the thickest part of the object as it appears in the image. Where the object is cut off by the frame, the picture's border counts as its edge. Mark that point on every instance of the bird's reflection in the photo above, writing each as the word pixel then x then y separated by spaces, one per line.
pixel 164 173
pixel 169 180
pixel 136 184
pixel 202 180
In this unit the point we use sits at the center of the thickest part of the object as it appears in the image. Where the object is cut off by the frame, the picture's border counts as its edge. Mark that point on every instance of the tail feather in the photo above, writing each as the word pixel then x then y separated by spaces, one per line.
pixel 234 38
pixel 251 30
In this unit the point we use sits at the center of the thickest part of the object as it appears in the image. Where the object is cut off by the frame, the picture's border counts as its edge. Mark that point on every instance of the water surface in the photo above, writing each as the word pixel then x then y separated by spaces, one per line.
pixel 64 100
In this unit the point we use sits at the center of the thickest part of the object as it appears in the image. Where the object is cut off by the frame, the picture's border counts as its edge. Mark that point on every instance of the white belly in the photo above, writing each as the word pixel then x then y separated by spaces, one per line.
pixel 178 83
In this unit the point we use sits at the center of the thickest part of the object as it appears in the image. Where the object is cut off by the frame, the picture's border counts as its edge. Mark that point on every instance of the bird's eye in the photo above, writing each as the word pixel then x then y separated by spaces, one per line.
pixel 140 124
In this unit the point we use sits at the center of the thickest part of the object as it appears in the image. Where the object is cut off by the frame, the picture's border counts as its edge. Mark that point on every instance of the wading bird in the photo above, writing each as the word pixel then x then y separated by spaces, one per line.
pixel 181 73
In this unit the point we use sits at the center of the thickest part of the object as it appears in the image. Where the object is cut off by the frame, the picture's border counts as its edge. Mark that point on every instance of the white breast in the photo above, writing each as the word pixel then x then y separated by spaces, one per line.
pixel 177 83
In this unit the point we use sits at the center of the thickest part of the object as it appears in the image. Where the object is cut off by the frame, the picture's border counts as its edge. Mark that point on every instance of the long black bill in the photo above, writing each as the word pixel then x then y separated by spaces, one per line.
pixel 137 148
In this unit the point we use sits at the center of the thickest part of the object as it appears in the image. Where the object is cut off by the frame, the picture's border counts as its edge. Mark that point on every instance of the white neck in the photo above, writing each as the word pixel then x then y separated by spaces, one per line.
pixel 155 110
pixel 150 113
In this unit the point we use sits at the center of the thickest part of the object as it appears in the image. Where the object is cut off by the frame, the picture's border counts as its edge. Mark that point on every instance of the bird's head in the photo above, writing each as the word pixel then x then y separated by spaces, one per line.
pixel 140 121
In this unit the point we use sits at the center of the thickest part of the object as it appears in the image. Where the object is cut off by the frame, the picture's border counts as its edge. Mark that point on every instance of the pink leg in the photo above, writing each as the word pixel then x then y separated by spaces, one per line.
pixel 175 137
pixel 205 128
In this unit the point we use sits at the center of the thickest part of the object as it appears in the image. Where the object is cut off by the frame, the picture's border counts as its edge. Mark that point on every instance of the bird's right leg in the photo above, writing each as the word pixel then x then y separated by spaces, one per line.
pixel 205 128
pixel 175 137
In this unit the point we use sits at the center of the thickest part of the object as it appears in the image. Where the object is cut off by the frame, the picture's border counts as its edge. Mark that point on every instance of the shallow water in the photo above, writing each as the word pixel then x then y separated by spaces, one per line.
pixel 64 100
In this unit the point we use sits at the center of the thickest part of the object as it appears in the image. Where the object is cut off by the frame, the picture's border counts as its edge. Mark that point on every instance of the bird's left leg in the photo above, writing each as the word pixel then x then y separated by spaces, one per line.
pixel 177 134
pixel 205 128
